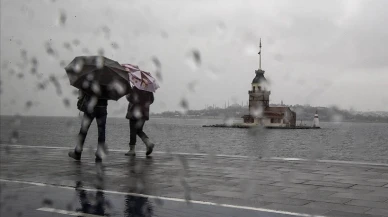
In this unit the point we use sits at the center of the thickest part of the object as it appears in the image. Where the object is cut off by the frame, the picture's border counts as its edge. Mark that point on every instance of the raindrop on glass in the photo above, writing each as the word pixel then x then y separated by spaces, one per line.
pixel 34 61
pixel 78 66
pixel 85 50
pixel 114 45
pixel 194 59
pixel 184 104
pixel 62 18
pixel 47 202
pixel 67 45
pixel 29 104
pixel 100 62
pixel 229 121
pixel 62 63
pixel 158 68
pixel 76 42
pixel 66 102
pixel 221 28
pixel 191 85
pixel 101 52
pixel 14 136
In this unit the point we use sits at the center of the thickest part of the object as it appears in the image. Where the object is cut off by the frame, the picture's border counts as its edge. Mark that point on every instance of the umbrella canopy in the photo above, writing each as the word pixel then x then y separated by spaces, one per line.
pixel 99 76
pixel 141 79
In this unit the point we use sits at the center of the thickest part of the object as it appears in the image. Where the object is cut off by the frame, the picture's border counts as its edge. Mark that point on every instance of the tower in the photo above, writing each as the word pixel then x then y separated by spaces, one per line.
pixel 258 95
pixel 316 120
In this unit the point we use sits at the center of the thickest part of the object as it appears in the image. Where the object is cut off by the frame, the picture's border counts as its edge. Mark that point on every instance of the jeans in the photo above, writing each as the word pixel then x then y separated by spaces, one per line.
pixel 136 129
pixel 100 113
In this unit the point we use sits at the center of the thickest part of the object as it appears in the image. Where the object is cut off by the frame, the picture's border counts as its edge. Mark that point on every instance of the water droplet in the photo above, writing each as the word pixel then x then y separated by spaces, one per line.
pixel 78 66
pixel 158 68
pixel 20 75
pixel 185 105
pixel 211 73
pixel 75 92
pixel 23 54
pixel 12 71
pixel 85 50
pixel 56 83
pixel 62 18
pixel 115 45
pixel 229 121
pixel 67 45
pixel 14 137
pixel 47 202
pixel 76 42
pixel 62 63
pixel 336 118
pixel 49 50
pixel 100 62
pixel 85 84
pixel 194 59
pixel 159 201
pixel 96 88
pixel 221 28
pixel 66 102
pixel 106 31
pixel 29 104
pixel 164 34
pixel 100 52
pixel 257 111
pixel 34 61
pixel 250 49
pixel 118 87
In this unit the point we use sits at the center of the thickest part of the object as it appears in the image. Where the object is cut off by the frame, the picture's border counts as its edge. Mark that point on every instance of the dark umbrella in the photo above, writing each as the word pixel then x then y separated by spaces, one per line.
pixel 99 76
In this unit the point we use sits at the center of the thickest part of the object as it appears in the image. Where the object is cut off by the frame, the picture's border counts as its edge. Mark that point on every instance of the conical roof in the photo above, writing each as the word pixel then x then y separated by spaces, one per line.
pixel 259 78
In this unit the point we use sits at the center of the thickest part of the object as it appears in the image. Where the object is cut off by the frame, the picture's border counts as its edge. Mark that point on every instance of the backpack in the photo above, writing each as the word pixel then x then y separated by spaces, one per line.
pixel 82 103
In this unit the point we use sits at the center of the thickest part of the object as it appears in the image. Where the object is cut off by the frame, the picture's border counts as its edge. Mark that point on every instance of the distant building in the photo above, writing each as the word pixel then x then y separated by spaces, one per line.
pixel 260 113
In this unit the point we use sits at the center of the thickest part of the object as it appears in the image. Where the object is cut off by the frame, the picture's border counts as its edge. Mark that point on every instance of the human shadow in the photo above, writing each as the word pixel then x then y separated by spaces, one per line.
pixel 94 201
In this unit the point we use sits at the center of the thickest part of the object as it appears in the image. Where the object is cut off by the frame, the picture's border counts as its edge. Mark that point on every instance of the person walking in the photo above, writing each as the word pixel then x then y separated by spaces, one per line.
pixel 93 108
pixel 138 113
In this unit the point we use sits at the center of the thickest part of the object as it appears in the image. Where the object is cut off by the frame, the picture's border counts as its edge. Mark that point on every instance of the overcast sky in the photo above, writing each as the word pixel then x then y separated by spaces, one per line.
pixel 322 53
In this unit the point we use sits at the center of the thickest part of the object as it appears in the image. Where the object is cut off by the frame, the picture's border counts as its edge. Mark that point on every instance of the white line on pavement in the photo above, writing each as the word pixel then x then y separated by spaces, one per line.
pixel 166 198
pixel 65 212
pixel 217 155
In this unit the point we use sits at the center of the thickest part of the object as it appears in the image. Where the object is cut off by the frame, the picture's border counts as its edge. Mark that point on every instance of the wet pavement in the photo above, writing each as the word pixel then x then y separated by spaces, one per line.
pixel 43 181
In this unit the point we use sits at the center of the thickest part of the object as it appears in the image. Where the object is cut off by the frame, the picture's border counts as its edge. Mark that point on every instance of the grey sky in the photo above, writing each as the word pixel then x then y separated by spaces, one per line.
pixel 316 52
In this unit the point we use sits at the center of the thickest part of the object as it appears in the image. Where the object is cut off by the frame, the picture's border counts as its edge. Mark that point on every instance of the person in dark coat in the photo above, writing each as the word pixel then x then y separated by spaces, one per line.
pixel 138 113
pixel 93 108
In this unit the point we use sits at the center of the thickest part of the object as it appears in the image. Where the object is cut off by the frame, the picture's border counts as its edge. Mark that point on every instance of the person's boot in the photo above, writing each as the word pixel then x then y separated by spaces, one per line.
pixel 100 153
pixel 149 145
pixel 131 151
pixel 76 155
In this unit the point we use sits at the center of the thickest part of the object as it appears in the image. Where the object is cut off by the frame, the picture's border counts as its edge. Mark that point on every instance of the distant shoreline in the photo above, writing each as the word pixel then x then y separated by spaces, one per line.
pixel 196 118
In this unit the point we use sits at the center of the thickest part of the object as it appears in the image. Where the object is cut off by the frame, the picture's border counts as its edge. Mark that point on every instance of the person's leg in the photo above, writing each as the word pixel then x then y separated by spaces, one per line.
pixel 144 137
pixel 132 138
pixel 101 126
pixel 85 124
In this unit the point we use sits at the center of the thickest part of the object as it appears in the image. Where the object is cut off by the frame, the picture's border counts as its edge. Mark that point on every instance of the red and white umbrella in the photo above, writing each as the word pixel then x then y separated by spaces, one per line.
pixel 141 79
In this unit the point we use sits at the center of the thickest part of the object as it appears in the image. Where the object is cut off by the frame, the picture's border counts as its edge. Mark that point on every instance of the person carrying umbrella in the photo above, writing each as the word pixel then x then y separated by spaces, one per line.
pixel 140 99
pixel 98 79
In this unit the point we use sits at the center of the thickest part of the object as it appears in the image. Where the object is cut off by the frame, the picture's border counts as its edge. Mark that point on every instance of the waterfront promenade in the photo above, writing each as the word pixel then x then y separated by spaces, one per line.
pixel 43 181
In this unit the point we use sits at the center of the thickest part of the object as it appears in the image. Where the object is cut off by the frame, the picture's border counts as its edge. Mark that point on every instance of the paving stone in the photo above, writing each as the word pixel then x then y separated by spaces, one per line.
pixel 328 184
pixel 296 209
pixel 360 197
pixel 336 213
pixel 367 203
pixel 375 211
pixel 321 198
pixel 337 207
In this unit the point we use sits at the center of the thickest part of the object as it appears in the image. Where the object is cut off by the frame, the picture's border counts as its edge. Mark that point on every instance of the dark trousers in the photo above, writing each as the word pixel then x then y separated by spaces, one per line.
pixel 100 114
pixel 136 128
